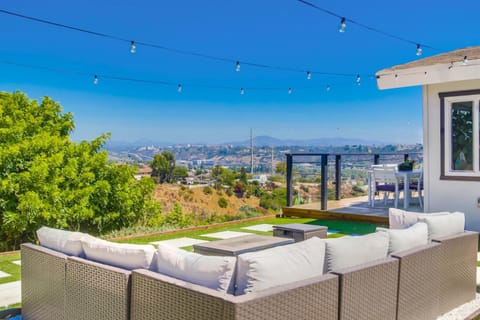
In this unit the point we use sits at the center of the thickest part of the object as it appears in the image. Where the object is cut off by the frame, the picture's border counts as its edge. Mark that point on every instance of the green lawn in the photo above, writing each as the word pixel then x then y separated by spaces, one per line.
pixel 342 228
pixel 7 265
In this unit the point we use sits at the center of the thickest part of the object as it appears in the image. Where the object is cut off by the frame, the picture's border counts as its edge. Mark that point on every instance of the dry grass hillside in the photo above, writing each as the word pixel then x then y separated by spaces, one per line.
pixel 193 199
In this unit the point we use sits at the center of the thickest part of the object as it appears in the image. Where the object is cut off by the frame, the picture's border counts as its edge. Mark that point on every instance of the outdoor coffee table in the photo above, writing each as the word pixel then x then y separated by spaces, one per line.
pixel 299 232
pixel 239 245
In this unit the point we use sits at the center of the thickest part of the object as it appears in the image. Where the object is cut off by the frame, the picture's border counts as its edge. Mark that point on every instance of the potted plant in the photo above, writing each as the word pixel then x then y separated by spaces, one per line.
pixel 407 165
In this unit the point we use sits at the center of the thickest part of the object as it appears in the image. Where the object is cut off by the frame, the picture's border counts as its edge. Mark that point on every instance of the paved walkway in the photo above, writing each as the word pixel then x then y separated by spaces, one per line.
pixel 10 293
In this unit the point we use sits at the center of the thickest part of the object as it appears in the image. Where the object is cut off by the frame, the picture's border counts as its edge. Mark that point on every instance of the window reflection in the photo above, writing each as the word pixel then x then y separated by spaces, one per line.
pixel 462 136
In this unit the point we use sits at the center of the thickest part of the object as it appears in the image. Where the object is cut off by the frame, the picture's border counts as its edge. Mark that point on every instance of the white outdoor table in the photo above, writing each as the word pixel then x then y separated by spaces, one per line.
pixel 404 176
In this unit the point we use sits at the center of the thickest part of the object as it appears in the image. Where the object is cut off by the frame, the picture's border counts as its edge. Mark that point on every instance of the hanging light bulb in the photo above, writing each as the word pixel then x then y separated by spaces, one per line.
pixel 359 80
pixel 133 47
pixel 419 50
pixel 179 88
pixel 465 61
pixel 343 25
pixel 328 87
pixel 289 90
pixel 450 67
pixel 242 91
pixel 237 66
pixel 95 79
pixel 309 75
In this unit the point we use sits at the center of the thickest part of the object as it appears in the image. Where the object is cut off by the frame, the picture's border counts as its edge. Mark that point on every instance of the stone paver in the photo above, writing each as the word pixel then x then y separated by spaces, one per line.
pixel 226 234
pixel 180 242
pixel 260 227
pixel 4 274
pixel 17 262
pixel 10 293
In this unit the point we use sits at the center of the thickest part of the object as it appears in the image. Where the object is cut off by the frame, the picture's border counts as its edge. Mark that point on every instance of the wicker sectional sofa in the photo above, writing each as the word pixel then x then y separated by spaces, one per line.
pixel 419 283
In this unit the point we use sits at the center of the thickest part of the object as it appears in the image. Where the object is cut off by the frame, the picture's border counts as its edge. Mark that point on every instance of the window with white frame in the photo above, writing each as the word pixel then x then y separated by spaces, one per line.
pixel 460 130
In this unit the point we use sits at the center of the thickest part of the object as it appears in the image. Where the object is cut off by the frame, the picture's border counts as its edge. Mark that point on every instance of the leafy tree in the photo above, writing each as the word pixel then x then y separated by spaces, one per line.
pixel 243 175
pixel 179 173
pixel 46 179
pixel 281 168
pixel 163 166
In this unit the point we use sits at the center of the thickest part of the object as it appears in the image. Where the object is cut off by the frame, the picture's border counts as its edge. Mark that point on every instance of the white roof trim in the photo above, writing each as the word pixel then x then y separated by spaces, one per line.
pixel 439 73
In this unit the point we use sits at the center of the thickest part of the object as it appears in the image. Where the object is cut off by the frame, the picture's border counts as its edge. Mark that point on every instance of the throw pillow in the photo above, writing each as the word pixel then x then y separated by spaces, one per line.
pixel 350 251
pixel 404 239
pixel 67 242
pixel 214 272
pixel 272 267
pixel 444 225
pixel 123 255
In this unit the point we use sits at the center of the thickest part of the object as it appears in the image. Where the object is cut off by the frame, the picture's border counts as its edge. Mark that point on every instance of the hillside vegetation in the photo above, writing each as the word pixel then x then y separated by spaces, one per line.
pixel 195 200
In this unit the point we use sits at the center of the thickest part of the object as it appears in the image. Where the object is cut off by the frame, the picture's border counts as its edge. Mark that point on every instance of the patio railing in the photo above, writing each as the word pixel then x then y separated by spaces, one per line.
pixel 329 166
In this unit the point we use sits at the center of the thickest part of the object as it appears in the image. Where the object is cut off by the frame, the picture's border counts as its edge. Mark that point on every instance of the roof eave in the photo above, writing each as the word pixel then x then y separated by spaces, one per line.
pixel 432 74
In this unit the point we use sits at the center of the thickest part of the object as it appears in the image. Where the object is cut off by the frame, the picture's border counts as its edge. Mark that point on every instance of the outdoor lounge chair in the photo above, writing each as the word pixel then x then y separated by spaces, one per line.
pixel 43 283
pixel 154 294
pixel 369 291
pixel 458 269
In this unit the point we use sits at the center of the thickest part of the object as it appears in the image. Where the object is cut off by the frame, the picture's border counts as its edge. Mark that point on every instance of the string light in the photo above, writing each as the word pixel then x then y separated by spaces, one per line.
pixel 309 75
pixel 419 50
pixel 359 80
pixel 289 90
pixel 179 88
pixel 343 25
pixel 237 66
pixel 133 47
pixel 242 91
pixel 95 80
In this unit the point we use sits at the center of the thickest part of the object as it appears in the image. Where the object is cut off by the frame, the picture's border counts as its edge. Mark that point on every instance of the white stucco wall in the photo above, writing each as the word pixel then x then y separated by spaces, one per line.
pixel 445 195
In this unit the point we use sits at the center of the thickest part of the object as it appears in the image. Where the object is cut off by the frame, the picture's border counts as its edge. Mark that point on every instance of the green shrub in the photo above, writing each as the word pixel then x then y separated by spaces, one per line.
pixel 222 202
pixel 207 190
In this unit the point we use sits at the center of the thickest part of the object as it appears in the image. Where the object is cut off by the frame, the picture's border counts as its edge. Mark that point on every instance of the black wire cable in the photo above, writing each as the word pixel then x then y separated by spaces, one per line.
pixel 169 49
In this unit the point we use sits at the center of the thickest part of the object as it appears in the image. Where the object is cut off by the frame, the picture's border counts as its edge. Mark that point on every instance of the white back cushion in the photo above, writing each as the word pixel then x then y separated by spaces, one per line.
pixel 67 242
pixel 268 268
pixel 443 225
pixel 124 255
pixel 210 271
pixel 404 239
pixel 350 251
pixel 401 219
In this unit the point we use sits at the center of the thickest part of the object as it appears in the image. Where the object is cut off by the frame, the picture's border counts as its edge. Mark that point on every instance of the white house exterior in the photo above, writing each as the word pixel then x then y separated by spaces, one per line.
pixel 451 128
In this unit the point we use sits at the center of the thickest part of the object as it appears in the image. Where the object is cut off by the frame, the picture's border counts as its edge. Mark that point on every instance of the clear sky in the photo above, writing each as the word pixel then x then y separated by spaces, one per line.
pixel 210 108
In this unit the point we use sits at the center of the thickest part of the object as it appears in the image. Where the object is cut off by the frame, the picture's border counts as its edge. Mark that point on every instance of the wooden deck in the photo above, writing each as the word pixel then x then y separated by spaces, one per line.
pixel 350 209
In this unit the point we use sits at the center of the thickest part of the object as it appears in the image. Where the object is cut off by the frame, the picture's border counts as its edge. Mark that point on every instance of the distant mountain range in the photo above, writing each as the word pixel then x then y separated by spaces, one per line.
pixel 259 141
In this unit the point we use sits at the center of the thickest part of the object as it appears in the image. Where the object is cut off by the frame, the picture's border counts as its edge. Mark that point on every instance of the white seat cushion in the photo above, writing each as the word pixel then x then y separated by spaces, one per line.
pixel 350 251
pixel 210 271
pixel 408 238
pixel 124 255
pixel 67 242
pixel 444 225
pixel 272 267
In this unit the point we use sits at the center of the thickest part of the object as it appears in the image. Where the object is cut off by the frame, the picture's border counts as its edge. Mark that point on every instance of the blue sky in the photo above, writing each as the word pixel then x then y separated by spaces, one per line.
pixel 210 109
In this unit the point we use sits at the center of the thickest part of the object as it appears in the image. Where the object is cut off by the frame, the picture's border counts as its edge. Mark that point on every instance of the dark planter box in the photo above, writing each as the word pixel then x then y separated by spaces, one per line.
pixel 405 167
